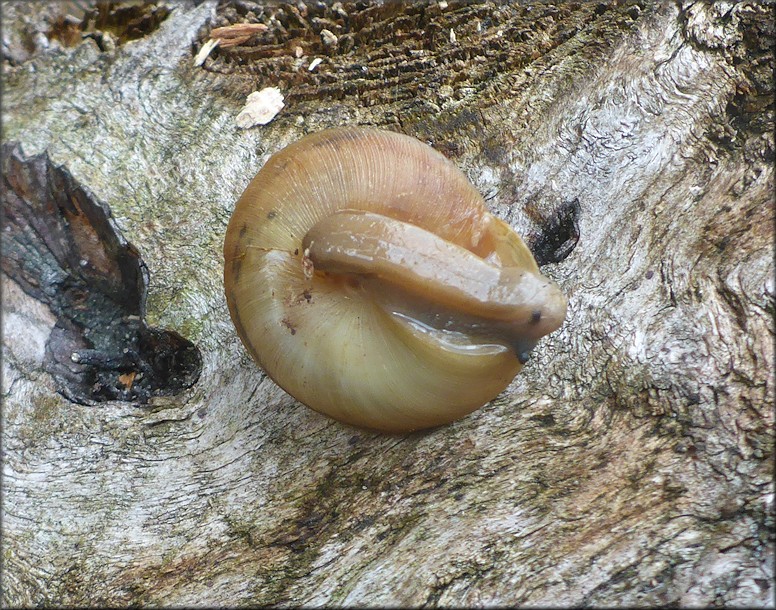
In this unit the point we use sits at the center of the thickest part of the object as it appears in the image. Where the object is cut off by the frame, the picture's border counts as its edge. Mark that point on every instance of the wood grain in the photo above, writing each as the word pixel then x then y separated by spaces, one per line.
pixel 631 463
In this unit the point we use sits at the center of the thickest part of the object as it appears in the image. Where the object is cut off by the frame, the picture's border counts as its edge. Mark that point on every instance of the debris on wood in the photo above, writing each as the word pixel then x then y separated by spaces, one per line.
pixel 328 38
pixel 200 57
pixel 127 379
pixel 228 36
pixel 260 108
pixel 232 35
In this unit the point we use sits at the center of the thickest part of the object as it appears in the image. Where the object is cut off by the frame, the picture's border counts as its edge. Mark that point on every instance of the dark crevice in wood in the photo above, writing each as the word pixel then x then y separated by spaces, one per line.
pixel 558 235
pixel 123 20
pixel 63 248
pixel 42 27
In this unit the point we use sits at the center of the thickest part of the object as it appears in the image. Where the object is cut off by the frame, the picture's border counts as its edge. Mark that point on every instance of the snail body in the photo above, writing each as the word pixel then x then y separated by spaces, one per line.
pixel 365 275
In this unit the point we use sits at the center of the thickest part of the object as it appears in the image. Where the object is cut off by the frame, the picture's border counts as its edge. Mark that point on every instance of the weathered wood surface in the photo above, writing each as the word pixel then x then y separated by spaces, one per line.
pixel 630 463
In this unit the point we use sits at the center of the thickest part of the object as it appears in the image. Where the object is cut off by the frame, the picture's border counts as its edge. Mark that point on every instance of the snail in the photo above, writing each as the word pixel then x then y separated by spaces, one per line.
pixel 365 275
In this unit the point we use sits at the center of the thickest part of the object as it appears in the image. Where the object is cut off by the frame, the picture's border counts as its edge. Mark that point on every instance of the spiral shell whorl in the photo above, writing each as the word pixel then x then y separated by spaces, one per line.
pixel 334 341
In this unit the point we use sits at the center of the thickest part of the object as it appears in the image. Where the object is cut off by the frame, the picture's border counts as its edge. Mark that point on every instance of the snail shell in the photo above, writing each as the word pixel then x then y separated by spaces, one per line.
pixel 365 275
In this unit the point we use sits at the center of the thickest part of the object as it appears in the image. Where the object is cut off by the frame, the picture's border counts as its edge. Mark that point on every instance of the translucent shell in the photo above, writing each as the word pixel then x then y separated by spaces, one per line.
pixel 366 277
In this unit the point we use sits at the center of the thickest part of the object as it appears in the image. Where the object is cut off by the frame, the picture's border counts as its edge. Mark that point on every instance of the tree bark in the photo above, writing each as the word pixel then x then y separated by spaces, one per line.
pixel 631 461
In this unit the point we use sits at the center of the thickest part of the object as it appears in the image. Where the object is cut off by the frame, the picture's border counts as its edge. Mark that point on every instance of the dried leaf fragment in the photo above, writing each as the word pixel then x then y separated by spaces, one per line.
pixel 228 36
pixel 232 35
pixel 261 107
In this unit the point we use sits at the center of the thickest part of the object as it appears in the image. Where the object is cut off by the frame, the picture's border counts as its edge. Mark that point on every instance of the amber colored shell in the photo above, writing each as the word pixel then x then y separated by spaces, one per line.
pixel 345 344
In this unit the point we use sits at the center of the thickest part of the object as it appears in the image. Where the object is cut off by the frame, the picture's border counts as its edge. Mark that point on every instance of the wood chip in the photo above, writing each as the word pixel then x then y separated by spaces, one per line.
pixel 127 379
pixel 260 108
pixel 328 38
pixel 211 44
pixel 232 35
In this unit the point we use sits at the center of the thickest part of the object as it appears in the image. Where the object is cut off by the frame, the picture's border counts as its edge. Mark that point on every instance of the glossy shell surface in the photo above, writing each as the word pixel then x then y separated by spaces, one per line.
pixel 315 254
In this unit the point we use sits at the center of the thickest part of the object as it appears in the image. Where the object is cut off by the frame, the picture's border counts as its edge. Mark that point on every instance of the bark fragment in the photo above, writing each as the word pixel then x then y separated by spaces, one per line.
pixel 63 248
